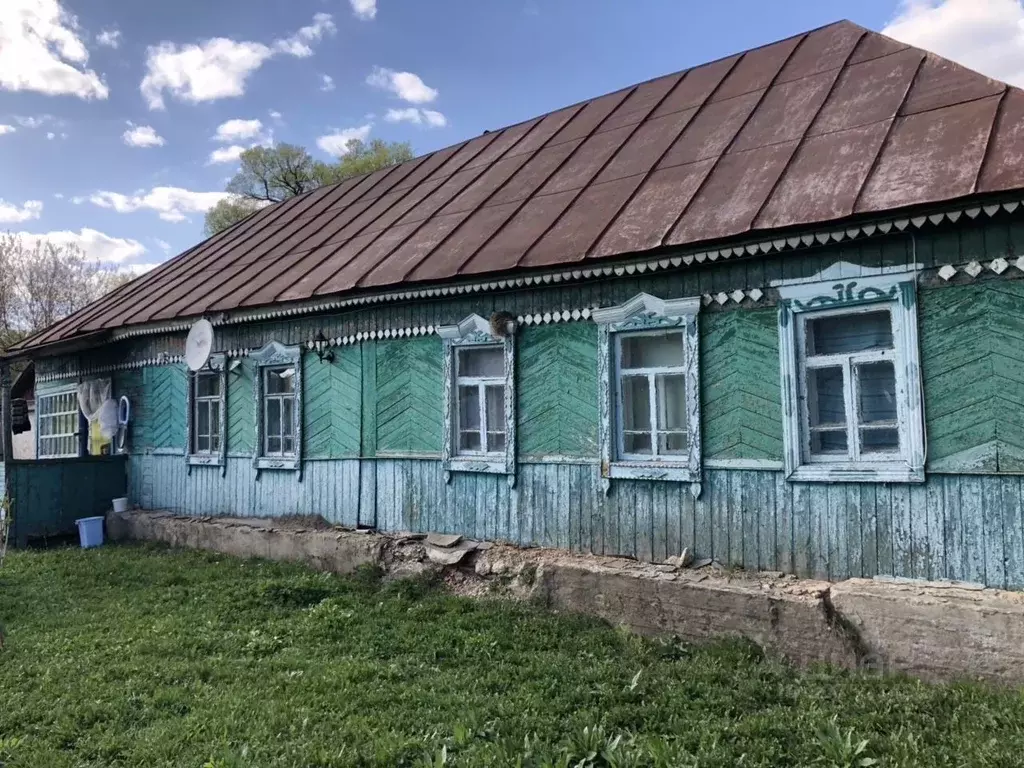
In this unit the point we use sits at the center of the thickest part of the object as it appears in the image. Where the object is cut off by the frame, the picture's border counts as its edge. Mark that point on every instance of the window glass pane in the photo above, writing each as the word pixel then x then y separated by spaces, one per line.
pixel 637 442
pixel 825 401
pixel 664 350
pixel 482 361
pixel 288 445
pixel 496 442
pixel 214 418
pixel 469 441
pixel 636 404
pixel 273 445
pixel 280 381
pixel 202 419
pixel 287 418
pixel 849 333
pixel 203 444
pixel 495 409
pixel 879 440
pixel 208 385
pixel 828 442
pixel 671 397
pixel 877 384
pixel 273 425
pixel 672 443
pixel 469 408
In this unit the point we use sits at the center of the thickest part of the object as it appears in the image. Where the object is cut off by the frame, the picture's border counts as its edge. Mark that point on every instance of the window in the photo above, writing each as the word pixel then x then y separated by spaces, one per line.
pixel 278 396
pixel 853 406
pixel 650 404
pixel 207 417
pixel 279 411
pixel 59 422
pixel 479 397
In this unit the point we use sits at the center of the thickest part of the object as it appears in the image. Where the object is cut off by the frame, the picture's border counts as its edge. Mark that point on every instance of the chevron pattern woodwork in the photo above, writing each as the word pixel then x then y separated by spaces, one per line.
pixel 558 390
pixel 972 357
pixel 162 410
pixel 241 411
pixel 331 401
pixel 740 391
pixel 410 413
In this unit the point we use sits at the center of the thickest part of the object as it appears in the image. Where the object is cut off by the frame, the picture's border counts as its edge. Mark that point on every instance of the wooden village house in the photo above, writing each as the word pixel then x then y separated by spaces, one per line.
pixel 769 309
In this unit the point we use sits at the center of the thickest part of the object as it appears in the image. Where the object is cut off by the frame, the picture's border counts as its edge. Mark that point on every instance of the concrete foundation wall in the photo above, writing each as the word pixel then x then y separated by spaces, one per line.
pixel 937 631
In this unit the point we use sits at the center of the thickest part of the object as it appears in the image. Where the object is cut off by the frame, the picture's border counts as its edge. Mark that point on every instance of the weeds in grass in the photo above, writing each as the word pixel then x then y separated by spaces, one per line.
pixel 129 656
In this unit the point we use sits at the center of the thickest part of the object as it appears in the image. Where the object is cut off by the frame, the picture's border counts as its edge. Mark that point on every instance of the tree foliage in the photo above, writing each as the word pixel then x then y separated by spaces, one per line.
pixel 272 174
pixel 42 282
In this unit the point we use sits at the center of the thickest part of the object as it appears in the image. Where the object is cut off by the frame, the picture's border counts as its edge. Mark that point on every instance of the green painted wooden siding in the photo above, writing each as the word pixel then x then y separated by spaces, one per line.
pixel 409 403
pixel 241 411
pixel 331 403
pixel 558 390
pixel 160 416
pixel 972 359
pixel 741 401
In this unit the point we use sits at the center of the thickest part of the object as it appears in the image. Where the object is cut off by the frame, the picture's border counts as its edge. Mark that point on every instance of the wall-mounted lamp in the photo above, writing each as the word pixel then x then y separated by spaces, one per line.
pixel 321 348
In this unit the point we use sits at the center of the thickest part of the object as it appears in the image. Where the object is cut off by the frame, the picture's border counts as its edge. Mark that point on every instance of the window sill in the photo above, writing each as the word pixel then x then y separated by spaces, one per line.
pixel 198 460
pixel 651 470
pixel 493 466
pixel 277 462
pixel 856 473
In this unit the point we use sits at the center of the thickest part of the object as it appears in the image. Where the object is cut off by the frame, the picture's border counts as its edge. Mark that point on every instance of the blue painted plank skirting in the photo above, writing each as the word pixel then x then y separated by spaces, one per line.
pixel 964 527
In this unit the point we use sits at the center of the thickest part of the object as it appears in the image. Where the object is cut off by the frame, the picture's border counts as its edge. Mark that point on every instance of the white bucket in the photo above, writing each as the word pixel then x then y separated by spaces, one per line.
pixel 120 505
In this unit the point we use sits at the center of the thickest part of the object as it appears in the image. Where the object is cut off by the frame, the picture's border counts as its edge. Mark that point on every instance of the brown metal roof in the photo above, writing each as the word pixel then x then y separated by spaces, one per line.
pixel 829 124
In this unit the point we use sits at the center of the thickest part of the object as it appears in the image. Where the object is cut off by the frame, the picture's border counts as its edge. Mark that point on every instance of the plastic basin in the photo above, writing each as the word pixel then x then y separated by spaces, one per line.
pixel 90 531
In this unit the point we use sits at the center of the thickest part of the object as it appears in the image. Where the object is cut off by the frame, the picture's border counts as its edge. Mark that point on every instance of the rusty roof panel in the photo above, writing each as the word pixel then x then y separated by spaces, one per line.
pixel 696 86
pixel 642 168
pixel 641 152
pixel 785 112
pixel 931 155
pixel 581 225
pixel 733 194
pixel 941 83
pixel 1004 167
pixel 585 163
pixel 822 50
pixel 825 176
pixel 710 131
pixel 868 93
pixel 654 209
pixel 756 70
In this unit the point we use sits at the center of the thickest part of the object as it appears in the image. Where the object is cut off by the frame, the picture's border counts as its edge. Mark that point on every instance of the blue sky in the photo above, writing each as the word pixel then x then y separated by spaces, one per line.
pixel 109 108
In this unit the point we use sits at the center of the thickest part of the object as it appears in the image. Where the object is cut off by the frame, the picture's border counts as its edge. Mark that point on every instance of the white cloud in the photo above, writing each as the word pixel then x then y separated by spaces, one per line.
pixel 58 195
pixel 364 9
pixel 337 143
pixel 274 115
pixel 218 68
pixel 50 136
pixel 163 245
pixel 111 38
pixel 10 213
pixel 32 122
pixel 238 129
pixel 416 116
pixel 171 203
pixel 326 83
pixel 985 35
pixel 405 85
pixel 97 245
pixel 226 154
pixel 7 129
pixel 142 136
pixel 41 51
pixel 140 269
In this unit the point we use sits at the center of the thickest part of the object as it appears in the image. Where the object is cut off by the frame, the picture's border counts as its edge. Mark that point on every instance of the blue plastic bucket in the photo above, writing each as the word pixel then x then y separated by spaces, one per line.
pixel 90 531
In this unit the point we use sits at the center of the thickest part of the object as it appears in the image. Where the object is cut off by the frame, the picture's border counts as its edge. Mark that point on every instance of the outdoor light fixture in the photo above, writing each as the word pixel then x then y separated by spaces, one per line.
pixel 320 345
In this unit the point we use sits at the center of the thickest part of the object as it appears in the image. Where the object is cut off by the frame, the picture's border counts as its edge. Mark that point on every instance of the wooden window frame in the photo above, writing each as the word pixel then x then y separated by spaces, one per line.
pixel 825 295
pixel 79 434
pixel 648 315
pixel 272 357
pixel 194 457
pixel 475 332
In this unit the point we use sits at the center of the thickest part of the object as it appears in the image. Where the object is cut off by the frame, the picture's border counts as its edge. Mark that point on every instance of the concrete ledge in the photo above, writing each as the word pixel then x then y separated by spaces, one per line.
pixel 934 631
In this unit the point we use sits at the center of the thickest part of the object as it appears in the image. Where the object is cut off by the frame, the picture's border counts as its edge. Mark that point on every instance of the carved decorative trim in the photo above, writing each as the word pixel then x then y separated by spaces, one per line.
pixel 972 269
pixel 276 354
pixel 473 331
pixel 753 295
pixel 641 313
pixel 809 239
pixel 217 362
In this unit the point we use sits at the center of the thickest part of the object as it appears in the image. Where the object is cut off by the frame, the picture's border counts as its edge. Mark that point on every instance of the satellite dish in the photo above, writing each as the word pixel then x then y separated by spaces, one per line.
pixel 199 344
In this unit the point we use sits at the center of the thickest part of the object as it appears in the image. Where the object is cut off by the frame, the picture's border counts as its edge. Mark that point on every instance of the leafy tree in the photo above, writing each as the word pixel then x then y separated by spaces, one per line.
pixel 272 174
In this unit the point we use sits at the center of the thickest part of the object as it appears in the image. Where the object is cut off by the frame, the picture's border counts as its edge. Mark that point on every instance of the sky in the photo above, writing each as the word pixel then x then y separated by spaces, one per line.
pixel 121 121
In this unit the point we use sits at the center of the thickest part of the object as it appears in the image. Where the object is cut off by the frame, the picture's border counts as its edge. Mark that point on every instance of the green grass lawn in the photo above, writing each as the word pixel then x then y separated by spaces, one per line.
pixel 141 656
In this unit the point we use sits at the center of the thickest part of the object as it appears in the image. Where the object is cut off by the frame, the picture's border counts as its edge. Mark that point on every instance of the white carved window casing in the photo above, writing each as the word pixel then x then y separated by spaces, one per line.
pixel 479 407
pixel 852 396
pixel 649 390
pixel 278 400
pixel 207 414
pixel 59 425
pixel 278 411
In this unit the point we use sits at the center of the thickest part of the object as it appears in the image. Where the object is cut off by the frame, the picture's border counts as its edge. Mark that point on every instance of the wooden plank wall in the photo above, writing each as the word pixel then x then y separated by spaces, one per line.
pixel 963 527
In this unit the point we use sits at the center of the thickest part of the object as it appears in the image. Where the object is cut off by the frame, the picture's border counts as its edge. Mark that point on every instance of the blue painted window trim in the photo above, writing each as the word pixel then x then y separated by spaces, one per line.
pixel 642 314
pixel 475 331
pixel 218 364
pixel 275 355
pixel 828 293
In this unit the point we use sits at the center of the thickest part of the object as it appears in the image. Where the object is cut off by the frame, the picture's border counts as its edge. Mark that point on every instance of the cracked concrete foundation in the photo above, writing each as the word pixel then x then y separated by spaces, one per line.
pixel 936 631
